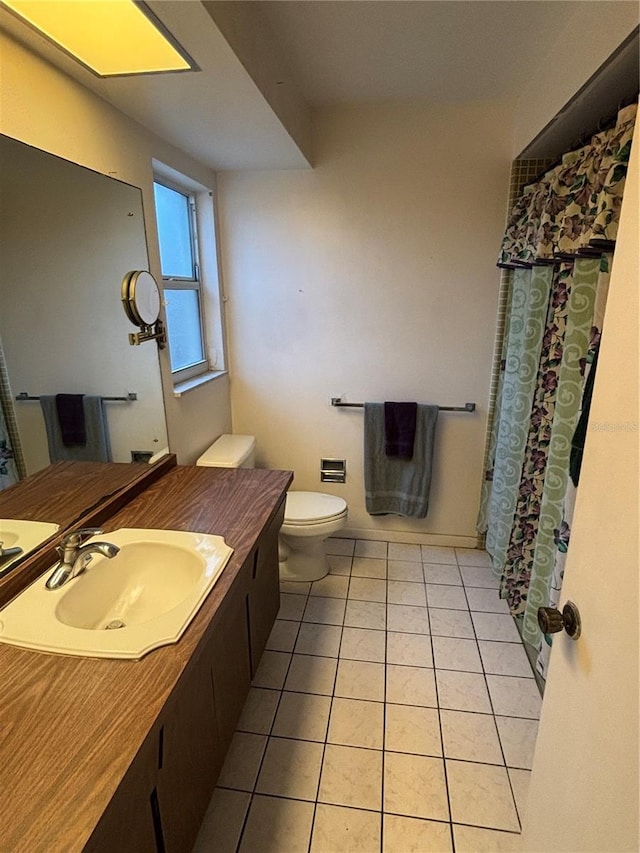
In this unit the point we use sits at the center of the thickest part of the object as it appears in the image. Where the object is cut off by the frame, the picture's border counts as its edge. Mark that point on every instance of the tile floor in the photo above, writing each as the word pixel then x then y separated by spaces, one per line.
pixel 394 710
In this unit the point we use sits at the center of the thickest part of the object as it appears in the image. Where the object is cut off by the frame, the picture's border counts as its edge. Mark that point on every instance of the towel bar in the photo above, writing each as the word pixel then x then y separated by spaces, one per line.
pixel 468 407
pixel 130 398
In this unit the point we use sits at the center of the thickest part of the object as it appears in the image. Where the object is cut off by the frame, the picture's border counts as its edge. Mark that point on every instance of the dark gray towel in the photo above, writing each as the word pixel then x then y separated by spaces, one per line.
pixel 71 419
pixel 96 447
pixel 400 429
pixel 392 485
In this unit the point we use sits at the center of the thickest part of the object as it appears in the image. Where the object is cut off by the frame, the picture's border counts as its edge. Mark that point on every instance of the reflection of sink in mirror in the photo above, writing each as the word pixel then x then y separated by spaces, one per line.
pixel 122 607
pixel 26 535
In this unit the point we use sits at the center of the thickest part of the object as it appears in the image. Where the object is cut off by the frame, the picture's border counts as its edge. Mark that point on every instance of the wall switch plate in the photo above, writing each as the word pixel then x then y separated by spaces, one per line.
pixel 141 455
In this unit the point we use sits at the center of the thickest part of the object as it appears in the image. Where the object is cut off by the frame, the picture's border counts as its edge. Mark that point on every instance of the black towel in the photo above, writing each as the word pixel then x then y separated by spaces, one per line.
pixel 70 408
pixel 399 429
pixel 580 435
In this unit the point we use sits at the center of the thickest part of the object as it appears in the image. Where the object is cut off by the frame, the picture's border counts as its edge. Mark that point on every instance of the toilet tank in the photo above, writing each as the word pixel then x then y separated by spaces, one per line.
pixel 230 451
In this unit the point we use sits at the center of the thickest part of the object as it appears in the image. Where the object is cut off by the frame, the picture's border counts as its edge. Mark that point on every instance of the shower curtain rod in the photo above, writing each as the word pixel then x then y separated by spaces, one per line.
pixel 468 407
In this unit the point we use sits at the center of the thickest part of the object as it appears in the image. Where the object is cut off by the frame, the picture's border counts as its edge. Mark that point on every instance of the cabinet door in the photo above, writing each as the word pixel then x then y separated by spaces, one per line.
pixel 188 759
pixel 230 663
pixel 129 824
pixel 264 597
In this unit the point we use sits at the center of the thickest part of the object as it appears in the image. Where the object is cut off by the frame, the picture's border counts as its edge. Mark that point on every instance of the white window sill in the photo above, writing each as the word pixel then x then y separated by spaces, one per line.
pixel 181 388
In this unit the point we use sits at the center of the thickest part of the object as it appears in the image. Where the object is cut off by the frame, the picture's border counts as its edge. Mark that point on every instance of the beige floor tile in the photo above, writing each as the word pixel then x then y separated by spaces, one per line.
pixel 327 611
pixel 369 567
pixel 259 711
pixel 481 576
pixel 472 557
pixel 355 722
pixel 405 570
pixel 448 575
pixel 438 554
pixel 486 600
pixel 520 784
pixel 283 636
pixel 449 597
pixel 339 565
pixel 495 626
pixel 401 551
pixel 345 830
pixel 406 592
pixel 451 623
pixel 470 737
pixel 304 716
pixel 222 823
pixel 411 729
pixel 272 670
pixel 331 586
pixel 363 644
pixel 413 835
pixel 295 587
pixel 371 548
pixel 360 680
pixel 316 639
pixel 514 697
pixel 409 649
pixel 471 839
pixel 406 618
pixel 342 547
pixel 291 606
pixel 454 653
pixel 505 659
pixel 242 763
pixel 291 768
pixel 463 691
pixel 366 614
pixel 311 674
pixel 518 738
pixel 411 685
pixel 414 785
pixel 367 589
pixel 351 777
pixel 480 794
pixel 275 825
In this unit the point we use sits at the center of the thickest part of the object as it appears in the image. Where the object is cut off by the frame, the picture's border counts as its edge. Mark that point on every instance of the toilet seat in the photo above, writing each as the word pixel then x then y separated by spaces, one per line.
pixel 308 508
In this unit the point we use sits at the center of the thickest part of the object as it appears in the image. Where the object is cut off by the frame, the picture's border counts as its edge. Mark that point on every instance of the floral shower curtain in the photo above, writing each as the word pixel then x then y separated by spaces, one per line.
pixel 11 461
pixel 554 245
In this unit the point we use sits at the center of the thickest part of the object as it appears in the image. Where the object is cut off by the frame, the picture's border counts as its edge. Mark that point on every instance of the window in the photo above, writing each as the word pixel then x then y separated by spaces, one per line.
pixel 180 265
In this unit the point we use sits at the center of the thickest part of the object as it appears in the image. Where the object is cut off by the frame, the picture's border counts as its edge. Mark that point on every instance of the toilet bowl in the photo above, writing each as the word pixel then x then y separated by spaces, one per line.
pixel 309 517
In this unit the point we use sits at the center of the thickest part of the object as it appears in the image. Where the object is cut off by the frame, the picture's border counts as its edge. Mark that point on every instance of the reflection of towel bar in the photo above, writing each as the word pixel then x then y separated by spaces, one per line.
pixel 131 396
pixel 468 407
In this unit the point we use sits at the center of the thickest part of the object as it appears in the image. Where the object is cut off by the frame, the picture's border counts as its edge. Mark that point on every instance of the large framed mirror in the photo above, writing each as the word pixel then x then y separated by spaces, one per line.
pixel 68 235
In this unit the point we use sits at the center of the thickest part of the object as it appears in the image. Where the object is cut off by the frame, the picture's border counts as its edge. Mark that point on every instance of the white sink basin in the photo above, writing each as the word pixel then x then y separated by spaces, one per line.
pixel 122 607
pixel 27 535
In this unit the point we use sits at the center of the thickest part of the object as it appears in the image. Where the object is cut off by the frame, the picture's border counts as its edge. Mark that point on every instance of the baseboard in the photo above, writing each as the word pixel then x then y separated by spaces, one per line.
pixel 409 537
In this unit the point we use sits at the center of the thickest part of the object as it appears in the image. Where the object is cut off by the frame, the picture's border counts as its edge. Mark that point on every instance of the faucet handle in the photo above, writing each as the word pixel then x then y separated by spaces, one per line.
pixel 77 537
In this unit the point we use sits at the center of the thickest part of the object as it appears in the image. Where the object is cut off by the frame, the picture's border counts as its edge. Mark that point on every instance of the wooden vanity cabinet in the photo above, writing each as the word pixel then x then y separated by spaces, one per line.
pixel 162 800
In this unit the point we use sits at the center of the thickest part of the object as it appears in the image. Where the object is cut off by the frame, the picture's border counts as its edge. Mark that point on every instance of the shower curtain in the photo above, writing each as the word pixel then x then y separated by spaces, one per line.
pixel 557 245
pixel 11 460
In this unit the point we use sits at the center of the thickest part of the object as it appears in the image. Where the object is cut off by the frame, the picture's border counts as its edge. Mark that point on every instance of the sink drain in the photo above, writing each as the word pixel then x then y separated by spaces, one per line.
pixel 115 623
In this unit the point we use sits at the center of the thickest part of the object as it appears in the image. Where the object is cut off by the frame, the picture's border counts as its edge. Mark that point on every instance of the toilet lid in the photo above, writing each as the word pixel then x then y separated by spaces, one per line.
pixel 308 507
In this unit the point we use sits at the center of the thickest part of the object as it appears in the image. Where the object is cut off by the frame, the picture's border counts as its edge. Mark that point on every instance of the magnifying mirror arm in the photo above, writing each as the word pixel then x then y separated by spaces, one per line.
pixel 156 333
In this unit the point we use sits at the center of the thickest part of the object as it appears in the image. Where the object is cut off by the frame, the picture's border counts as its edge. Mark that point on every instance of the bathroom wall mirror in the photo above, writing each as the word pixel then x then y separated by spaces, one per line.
pixel 68 236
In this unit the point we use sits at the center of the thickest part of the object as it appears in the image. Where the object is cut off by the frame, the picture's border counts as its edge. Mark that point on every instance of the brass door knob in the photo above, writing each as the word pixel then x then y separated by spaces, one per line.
pixel 551 620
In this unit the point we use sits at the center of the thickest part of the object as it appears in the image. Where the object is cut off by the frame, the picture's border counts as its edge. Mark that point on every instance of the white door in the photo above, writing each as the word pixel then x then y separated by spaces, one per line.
pixel 584 786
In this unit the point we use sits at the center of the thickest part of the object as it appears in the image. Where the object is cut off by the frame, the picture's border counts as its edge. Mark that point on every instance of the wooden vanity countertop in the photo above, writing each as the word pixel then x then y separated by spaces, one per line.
pixel 70 727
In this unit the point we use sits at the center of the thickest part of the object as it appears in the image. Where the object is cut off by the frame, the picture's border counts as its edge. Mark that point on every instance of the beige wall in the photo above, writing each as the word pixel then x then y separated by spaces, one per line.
pixel 372 277
pixel 44 108
pixel 572 53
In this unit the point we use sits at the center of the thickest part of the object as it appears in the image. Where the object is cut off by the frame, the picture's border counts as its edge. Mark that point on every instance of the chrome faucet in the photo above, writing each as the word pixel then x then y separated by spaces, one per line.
pixel 76 556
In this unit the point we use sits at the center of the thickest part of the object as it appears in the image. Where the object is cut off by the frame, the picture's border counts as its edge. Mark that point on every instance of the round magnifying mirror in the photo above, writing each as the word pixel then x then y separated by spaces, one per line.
pixel 141 298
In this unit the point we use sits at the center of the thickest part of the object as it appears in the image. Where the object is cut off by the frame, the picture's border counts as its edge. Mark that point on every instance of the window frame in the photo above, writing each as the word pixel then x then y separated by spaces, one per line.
pixel 195 370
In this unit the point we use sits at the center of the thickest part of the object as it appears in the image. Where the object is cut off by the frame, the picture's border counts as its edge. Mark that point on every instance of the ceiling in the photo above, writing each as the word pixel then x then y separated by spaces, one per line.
pixel 233 114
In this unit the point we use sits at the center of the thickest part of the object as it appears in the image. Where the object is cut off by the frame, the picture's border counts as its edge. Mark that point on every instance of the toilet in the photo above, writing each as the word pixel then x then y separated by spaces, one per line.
pixel 309 517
